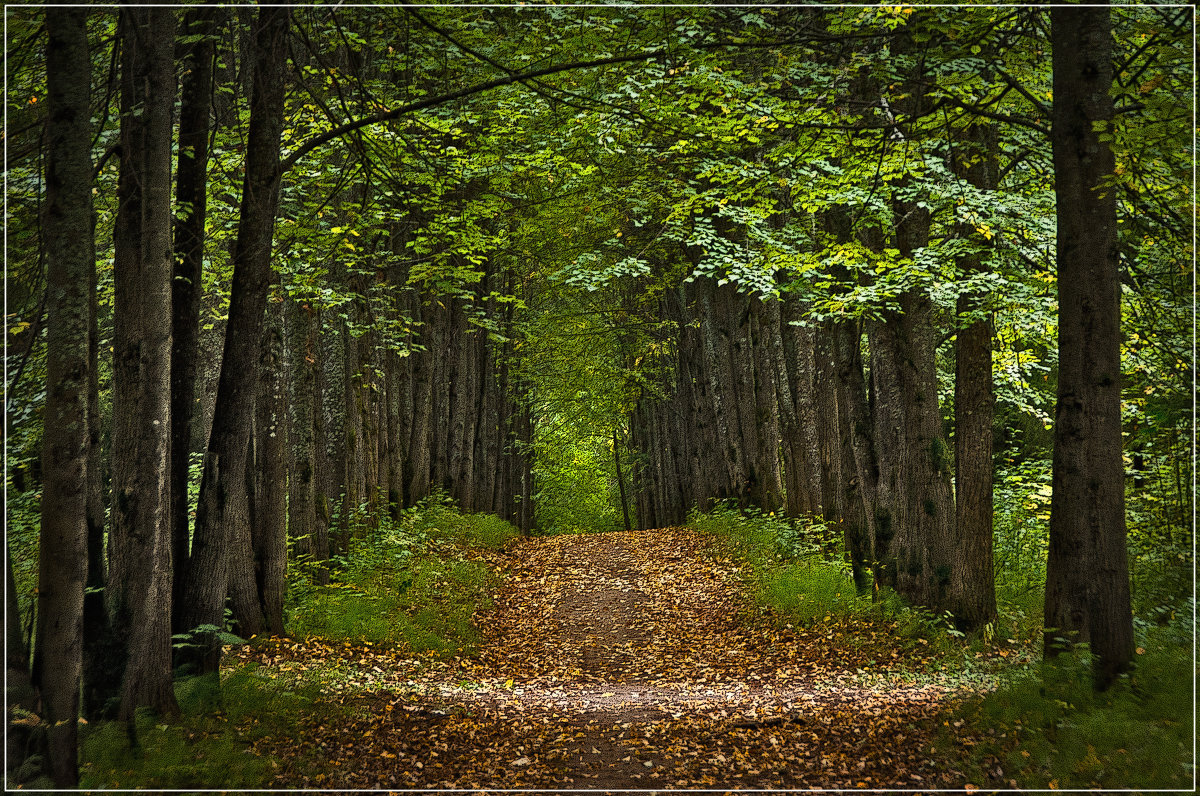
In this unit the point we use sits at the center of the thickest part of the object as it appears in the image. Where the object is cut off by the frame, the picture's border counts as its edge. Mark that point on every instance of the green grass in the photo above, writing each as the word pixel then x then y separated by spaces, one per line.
pixel 413 583
pixel 810 589
pixel 1045 726
pixel 789 573
pixel 408 583
pixel 798 575
pixel 203 748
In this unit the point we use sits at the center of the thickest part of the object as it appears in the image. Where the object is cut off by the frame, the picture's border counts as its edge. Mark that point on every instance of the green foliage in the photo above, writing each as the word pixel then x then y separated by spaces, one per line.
pixel 413 582
pixel 1021 527
pixel 810 589
pixel 795 573
pixel 1045 726
pixel 789 573
pixel 575 484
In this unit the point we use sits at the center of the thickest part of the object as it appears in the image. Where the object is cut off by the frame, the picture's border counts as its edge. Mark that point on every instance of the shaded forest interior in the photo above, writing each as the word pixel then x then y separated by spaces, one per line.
pixel 317 316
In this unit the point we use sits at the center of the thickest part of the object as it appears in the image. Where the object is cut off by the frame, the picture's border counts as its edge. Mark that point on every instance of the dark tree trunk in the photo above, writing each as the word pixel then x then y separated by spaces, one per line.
pixel 332 395
pixel 797 347
pixel 914 503
pixel 269 525
pixel 306 525
pixel 102 654
pixel 973 589
pixel 620 479
pixel 217 524
pixel 825 418
pixel 191 197
pixel 140 578
pixel 858 467
pixel 1087 579
pixel 70 259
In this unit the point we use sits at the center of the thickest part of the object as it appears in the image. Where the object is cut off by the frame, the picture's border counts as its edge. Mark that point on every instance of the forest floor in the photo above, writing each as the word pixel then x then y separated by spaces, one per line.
pixel 615 661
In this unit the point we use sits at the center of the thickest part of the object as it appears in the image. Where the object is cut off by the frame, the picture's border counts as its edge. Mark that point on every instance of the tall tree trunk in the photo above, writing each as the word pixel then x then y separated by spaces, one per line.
pixel 139 589
pixel 217 523
pixel 70 258
pixel 620 479
pixel 858 469
pixel 332 395
pixel 101 649
pixel 305 522
pixel 797 350
pixel 269 524
pixel 972 583
pixel 828 429
pixel 914 503
pixel 1087 579
pixel 191 197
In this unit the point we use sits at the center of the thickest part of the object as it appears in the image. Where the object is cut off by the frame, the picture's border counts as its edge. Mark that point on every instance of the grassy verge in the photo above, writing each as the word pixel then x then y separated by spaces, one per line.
pixel 1045 727
pixel 413 584
pixel 794 577
pixel 1033 724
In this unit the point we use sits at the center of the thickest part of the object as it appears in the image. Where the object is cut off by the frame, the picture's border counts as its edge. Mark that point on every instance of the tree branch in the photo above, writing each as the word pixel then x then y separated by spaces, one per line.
pixel 441 99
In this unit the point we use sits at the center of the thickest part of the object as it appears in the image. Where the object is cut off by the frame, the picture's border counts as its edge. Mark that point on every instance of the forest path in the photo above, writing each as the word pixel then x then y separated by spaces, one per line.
pixel 622 660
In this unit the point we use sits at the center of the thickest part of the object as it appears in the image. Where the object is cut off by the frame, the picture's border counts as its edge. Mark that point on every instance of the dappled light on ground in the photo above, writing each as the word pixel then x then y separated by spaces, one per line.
pixel 619 660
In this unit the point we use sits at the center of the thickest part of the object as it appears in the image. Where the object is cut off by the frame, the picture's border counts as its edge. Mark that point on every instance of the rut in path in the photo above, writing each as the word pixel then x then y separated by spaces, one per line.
pixel 622 660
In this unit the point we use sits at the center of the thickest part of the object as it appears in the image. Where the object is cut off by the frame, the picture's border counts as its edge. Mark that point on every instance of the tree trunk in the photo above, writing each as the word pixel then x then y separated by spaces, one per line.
pixel 102 654
pixel 305 523
pixel 140 578
pixel 191 197
pixel 972 583
pixel 914 502
pixel 217 526
pixel 858 468
pixel 620 479
pixel 269 525
pixel 1087 579
pixel 70 259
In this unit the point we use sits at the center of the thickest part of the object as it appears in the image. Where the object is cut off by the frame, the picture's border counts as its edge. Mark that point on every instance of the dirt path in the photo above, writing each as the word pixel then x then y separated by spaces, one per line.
pixel 616 661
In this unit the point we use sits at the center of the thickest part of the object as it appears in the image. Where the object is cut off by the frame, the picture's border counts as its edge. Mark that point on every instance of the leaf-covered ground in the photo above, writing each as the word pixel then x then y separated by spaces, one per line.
pixel 612 661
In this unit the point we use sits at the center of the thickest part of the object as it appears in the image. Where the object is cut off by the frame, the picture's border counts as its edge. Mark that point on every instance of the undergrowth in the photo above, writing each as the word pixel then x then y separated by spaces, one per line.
pixel 1046 727
pixel 796 571
pixel 799 575
pixel 412 582
pixel 1035 724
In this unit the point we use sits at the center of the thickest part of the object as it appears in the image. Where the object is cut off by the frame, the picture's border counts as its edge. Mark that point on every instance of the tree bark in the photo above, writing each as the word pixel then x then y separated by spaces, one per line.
pixel 1087 579
pixel 217 523
pixel 305 522
pixel 859 466
pixel 139 589
pixel 914 503
pixel 620 479
pixel 102 654
pixel 972 583
pixel 70 259
pixel 191 197
pixel 269 523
